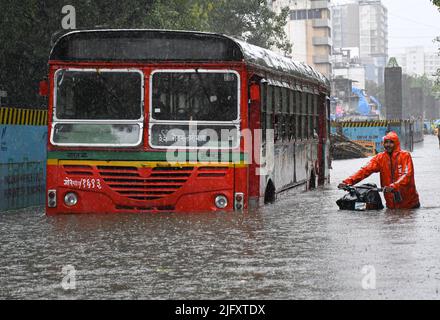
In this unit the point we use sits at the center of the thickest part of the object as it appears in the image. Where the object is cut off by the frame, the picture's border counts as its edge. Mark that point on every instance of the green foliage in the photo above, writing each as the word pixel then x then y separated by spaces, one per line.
pixel 373 89
pixel 27 27
pixel 423 82
pixel 252 21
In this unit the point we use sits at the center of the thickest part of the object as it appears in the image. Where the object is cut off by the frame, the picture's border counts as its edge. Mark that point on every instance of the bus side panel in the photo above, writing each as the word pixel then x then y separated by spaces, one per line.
pixel 302 155
pixel 284 169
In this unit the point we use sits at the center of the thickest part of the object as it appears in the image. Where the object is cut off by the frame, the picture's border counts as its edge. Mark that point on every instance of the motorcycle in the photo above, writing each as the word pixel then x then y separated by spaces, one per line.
pixel 365 197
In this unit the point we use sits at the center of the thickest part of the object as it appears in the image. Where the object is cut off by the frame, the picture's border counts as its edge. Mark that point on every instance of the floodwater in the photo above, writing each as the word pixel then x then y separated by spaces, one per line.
pixel 302 247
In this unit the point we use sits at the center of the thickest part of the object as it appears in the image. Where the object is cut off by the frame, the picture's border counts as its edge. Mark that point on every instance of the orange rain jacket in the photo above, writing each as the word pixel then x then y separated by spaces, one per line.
pixel 396 171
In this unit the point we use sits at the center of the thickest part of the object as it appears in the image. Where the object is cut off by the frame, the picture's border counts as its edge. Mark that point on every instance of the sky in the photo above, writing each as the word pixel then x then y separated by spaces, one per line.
pixel 410 23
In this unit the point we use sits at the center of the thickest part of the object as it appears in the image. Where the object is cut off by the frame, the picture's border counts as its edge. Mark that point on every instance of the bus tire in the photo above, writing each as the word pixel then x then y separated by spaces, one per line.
pixel 270 194
pixel 312 182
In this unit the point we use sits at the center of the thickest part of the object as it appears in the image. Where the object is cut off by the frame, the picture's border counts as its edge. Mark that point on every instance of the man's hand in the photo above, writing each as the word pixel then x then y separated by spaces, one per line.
pixel 342 186
pixel 388 190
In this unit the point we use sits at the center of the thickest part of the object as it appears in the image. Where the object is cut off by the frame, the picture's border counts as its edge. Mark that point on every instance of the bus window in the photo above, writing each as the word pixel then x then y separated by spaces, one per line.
pixel 194 96
pixel 263 112
pixel 90 96
pixel 270 108
pixel 298 114
pixel 277 100
pixel 315 114
pixel 304 125
pixel 284 114
pixel 285 105
pixel 310 115
pixel 292 114
pixel 276 113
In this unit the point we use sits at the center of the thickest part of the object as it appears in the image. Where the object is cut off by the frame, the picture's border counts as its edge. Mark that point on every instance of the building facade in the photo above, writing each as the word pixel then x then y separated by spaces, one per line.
pixel 346 64
pixel 363 24
pixel 416 61
pixel 309 31
pixel 345 26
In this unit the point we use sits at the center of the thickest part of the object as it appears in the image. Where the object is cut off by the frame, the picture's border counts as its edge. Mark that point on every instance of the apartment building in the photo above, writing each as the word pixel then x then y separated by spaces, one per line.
pixel 416 61
pixel 309 31
pixel 363 24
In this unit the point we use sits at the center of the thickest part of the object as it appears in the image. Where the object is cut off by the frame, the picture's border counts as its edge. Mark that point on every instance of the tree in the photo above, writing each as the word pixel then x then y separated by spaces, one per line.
pixel 251 20
pixel 375 90
pixel 26 30
pixel 427 85
pixel 27 27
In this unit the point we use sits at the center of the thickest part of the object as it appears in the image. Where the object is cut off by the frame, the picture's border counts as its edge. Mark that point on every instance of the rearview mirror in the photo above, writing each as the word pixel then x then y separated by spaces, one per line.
pixel 254 92
pixel 44 88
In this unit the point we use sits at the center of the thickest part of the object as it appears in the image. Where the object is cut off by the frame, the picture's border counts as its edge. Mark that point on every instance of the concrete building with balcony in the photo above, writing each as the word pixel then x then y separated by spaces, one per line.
pixel 309 31
pixel 363 24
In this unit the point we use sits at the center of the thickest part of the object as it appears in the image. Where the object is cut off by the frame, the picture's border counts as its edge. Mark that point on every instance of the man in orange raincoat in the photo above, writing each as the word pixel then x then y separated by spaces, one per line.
pixel 396 175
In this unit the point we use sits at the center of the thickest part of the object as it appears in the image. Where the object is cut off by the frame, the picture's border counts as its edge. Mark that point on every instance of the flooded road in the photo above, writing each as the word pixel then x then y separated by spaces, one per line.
pixel 300 248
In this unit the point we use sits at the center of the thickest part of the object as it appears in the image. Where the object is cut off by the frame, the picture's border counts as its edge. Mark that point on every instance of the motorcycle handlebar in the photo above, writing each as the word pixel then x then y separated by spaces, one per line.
pixel 351 188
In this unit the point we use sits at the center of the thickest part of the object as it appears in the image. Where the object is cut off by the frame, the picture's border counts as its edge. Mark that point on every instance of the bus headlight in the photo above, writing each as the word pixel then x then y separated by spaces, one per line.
pixel 221 201
pixel 71 199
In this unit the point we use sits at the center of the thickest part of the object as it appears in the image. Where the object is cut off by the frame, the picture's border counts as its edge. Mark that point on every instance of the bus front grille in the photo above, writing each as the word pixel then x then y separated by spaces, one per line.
pixel 145 184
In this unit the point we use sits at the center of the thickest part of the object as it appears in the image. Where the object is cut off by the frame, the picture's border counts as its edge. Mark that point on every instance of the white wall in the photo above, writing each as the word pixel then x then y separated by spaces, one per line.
pixel 357 74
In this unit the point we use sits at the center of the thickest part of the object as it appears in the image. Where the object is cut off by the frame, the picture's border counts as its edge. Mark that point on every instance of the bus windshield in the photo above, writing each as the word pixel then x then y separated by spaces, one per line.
pixel 95 95
pixel 98 108
pixel 195 96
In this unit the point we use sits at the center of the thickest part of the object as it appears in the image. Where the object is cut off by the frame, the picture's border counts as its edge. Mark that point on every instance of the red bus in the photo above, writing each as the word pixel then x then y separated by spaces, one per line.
pixel 176 121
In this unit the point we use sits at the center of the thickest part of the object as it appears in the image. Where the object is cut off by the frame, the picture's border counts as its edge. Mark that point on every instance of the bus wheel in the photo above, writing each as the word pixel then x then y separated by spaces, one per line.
pixel 312 182
pixel 270 194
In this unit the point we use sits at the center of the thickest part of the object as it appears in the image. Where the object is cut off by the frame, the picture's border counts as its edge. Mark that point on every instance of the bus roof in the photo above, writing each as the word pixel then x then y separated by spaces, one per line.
pixel 159 45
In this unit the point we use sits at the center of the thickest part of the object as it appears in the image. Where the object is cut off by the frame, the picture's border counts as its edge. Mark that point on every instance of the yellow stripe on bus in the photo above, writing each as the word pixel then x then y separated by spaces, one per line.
pixel 140 164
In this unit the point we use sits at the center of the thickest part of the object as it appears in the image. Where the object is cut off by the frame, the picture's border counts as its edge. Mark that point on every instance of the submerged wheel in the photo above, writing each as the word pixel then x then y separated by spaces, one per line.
pixel 270 194
pixel 312 182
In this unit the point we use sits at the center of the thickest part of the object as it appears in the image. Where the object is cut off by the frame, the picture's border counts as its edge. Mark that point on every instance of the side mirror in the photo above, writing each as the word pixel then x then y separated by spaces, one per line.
pixel 44 88
pixel 255 93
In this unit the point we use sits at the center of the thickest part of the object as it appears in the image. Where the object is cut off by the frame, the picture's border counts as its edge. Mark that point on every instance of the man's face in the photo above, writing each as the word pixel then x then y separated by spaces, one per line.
pixel 389 146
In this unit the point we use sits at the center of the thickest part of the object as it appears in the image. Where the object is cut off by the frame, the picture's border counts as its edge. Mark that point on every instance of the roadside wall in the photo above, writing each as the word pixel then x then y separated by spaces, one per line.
pixel 374 131
pixel 23 138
